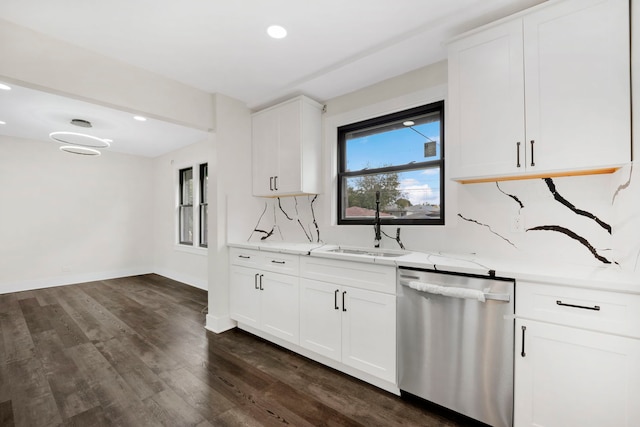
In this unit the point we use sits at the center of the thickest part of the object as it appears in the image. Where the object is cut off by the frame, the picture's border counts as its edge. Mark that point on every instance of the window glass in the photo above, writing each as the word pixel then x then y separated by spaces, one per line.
pixel 186 206
pixel 204 211
pixel 401 155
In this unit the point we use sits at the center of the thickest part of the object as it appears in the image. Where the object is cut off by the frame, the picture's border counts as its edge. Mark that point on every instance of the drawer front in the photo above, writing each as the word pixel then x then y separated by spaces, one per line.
pixel 245 257
pixel 363 275
pixel 281 263
pixel 612 312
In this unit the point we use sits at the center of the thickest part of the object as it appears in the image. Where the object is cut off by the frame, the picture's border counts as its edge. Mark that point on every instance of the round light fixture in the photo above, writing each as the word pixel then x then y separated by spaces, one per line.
pixel 83 151
pixel 140 118
pixel 2 123
pixel 79 139
pixel 277 32
pixel 4 87
pixel 409 123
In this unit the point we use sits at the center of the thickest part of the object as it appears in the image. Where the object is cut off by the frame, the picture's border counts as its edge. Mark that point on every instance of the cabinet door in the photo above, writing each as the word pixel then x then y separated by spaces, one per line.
pixel 573 377
pixel 321 317
pixel 577 85
pixel 265 135
pixel 280 310
pixel 244 296
pixel 289 145
pixel 369 332
pixel 486 102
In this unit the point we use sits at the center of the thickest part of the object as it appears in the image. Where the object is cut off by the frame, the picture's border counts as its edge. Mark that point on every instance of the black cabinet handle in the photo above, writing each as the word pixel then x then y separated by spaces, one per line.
pixel 518 154
pixel 278 262
pixel 261 276
pixel 584 307
pixel 344 307
pixel 532 162
pixel 244 256
pixel 275 182
pixel 255 281
pixel 271 183
pixel 335 299
pixel 523 354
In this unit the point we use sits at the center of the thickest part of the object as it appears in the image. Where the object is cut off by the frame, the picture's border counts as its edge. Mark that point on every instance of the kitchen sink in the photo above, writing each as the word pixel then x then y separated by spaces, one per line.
pixel 368 252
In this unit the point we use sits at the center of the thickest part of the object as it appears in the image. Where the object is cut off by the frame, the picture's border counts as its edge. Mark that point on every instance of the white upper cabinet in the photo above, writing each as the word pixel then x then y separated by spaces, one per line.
pixel 287 149
pixel 545 93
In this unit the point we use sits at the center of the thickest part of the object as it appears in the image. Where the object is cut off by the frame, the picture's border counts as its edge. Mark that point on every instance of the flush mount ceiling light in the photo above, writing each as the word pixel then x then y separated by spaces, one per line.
pixel 81 123
pixel 2 123
pixel 83 151
pixel 277 32
pixel 79 139
pixel 409 123
pixel 4 87
pixel 140 118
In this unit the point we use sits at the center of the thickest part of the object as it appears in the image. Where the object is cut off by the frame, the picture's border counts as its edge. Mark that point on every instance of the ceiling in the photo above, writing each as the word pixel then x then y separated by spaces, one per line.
pixel 333 47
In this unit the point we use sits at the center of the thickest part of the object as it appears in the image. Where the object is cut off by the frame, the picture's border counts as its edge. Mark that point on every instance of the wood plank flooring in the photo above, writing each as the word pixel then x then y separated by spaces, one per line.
pixel 134 352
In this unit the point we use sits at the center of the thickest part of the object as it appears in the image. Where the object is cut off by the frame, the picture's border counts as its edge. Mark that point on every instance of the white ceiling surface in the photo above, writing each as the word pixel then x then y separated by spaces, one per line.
pixel 33 114
pixel 220 46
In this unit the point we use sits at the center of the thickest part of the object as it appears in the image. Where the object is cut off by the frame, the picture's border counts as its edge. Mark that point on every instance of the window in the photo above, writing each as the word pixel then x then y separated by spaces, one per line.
pixel 204 209
pixel 401 156
pixel 185 207
pixel 193 205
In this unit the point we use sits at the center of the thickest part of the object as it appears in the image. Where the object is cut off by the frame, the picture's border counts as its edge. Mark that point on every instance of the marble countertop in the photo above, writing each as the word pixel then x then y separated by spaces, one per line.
pixel 609 278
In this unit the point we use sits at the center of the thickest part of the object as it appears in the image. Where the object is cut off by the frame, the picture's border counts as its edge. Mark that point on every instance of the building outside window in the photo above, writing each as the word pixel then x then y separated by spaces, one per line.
pixel 399 155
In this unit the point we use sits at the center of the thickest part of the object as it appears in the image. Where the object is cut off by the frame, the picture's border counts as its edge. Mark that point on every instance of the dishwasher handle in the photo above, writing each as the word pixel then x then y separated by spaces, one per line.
pixel 454 292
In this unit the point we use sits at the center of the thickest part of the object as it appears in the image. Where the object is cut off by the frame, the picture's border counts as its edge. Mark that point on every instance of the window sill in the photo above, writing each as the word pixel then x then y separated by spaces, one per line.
pixel 191 249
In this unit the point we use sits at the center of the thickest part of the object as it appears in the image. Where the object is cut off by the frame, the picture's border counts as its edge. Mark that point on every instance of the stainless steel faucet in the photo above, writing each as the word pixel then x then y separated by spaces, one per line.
pixel 376 223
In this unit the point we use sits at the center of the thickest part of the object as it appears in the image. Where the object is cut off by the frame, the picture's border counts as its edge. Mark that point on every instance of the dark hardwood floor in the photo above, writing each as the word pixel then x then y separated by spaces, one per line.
pixel 134 352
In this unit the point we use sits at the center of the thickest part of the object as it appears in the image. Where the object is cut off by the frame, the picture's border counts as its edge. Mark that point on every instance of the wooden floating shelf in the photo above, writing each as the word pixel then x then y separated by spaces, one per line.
pixel 600 171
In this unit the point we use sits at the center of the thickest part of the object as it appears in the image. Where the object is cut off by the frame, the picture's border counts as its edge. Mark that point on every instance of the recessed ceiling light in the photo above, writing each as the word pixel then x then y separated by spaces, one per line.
pixel 2 123
pixel 409 123
pixel 80 139
pixel 140 118
pixel 4 87
pixel 277 32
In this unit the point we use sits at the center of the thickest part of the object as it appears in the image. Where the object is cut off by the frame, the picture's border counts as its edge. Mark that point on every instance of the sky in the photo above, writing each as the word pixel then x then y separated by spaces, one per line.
pixel 421 186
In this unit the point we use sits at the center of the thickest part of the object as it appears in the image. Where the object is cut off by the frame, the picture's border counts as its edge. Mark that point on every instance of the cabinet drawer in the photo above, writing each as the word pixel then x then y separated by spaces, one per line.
pixel 281 263
pixel 363 275
pixel 612 312
pixel 245 257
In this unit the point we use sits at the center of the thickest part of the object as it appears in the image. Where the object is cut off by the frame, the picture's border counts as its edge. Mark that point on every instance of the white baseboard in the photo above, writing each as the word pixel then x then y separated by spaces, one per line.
pixel 196 282
pixel 71 279
pixel 219 324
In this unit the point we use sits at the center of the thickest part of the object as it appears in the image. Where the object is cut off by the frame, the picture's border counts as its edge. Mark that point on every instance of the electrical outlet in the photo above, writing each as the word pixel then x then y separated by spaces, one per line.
pixel 517 223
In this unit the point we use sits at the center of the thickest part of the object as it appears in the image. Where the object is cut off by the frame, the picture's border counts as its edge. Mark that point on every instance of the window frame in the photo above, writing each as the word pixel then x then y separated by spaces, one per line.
pixel 182 206
pixel 203 220
pixel 342 175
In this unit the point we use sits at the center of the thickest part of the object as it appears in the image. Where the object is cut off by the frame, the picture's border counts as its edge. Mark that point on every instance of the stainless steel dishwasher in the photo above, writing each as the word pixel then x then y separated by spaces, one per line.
pixel 456 342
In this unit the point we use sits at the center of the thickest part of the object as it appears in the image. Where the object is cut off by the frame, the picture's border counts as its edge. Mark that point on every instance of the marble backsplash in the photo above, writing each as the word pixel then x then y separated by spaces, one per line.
pixel 584 220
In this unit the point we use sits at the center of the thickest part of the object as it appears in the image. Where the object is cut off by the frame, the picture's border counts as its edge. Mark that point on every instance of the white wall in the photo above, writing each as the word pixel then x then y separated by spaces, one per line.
pixel 230 199
pixel 188 265
pixel 67 218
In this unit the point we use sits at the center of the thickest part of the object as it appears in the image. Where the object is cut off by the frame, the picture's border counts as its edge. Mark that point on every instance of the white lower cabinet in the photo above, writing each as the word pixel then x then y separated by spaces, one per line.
pixel 266 300
pixel 577 359
pixel 353 326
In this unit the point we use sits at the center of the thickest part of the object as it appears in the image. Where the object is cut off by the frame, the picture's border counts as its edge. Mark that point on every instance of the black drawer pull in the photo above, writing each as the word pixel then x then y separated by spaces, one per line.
pixel 244 256
pixel 278 262
pixel 522 353
pixel 584 307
